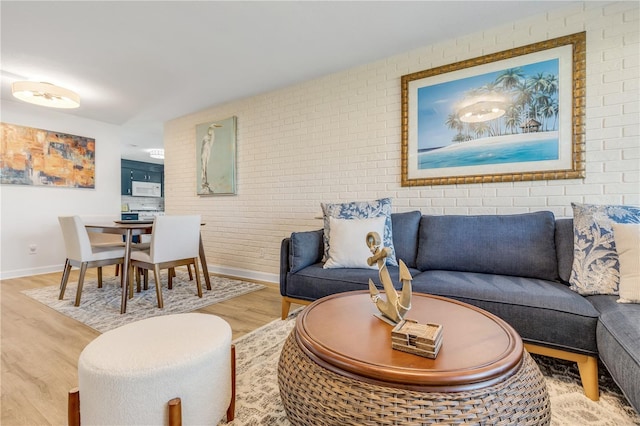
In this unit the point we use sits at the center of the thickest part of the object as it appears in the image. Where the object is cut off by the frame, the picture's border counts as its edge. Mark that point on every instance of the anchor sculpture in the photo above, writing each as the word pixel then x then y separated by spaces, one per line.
pixel 395 307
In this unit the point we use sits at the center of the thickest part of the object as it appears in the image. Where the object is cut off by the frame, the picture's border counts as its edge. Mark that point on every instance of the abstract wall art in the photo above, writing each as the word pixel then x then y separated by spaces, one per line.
pixel 38 157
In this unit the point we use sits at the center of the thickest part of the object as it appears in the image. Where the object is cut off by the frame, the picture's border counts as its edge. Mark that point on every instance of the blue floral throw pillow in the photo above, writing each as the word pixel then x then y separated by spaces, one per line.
pixel 595 260
pixel 360 210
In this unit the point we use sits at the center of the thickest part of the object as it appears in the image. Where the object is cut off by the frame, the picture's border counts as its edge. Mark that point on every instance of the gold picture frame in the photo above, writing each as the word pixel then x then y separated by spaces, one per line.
pixel 515 115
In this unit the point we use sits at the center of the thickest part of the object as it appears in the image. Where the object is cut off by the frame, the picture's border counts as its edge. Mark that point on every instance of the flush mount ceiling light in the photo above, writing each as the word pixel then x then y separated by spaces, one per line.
pixel 482 108
pixel 157 153
pixel 45 94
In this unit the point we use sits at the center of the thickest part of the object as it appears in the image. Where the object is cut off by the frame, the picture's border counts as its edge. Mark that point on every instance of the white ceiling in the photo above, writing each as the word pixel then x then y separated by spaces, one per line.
pixel 138 64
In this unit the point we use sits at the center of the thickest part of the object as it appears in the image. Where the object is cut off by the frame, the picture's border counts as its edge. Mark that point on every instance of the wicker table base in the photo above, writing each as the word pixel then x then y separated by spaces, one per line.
pixel 312 394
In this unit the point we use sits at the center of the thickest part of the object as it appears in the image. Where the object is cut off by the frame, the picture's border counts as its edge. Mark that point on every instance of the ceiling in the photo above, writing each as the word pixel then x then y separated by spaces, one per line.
pixel 139 64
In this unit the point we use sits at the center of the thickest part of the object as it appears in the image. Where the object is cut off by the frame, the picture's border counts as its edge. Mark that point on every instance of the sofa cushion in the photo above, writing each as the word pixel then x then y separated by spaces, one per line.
pixel 520 245
pixel 314 282
pixel 405 236
pixel 360 210
pixel 618 337
pixel 305 249
pixel 542 312
pixel 595 261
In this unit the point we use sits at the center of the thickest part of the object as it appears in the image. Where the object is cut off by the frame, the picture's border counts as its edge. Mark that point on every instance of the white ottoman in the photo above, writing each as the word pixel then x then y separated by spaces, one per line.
pixel 127 375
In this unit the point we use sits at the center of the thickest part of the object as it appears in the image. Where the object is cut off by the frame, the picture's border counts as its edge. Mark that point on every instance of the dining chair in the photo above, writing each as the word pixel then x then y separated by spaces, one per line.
pixel 82 254
pixel 174 242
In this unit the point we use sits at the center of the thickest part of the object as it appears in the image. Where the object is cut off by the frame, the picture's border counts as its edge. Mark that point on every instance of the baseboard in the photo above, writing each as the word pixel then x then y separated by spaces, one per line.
pixel 18 273
pixel 216 269
pixel 244 273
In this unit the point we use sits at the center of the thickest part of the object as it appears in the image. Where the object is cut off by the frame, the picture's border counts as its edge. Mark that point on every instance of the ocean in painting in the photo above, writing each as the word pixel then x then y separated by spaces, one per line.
pixel 498 150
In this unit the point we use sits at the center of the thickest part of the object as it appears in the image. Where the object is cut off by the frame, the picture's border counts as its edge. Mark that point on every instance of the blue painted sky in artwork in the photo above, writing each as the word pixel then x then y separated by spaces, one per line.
pixel 437 101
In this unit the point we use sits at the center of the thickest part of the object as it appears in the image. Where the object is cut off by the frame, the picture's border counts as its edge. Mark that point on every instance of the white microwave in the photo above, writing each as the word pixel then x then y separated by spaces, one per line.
pixel 146 189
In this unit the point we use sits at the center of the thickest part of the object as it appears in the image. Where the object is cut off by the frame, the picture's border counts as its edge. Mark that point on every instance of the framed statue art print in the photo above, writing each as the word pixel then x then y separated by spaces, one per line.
pixel 216 157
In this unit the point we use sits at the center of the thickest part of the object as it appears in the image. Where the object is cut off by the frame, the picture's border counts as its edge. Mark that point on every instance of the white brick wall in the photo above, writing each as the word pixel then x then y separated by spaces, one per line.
pixel 337 138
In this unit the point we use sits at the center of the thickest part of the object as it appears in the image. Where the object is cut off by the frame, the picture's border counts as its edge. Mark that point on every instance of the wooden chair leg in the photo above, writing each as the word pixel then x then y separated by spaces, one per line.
pixel 83 270
pixel 137 274
pixel 73 407
pixel 175 412
pixel 231 411
pixel 156 276
pixel 99 276
pixel 145 275
pixel 190 273
pixel 132 272
pixel 171 274
pixel 65 278
pixel 198 283
pixel 117 269
pixel 130 280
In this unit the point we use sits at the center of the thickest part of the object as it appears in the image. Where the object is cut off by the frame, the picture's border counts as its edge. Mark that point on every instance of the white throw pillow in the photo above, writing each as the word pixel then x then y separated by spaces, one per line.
pixel 627 237
pixel 360 210
pixel 348 242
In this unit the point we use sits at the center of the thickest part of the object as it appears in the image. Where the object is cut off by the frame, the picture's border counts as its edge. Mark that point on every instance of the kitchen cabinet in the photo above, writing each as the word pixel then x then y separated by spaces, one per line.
pixel 139 171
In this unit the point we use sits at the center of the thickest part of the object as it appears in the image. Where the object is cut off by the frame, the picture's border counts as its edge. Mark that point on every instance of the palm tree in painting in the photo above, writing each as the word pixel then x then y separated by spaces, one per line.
pixel 524 99
pixel 481 128
pixel 547 110
pixel 551 91
pixel 538 83
pixel 510 78
pixel 512 118
pixel 543 88
pixel 459 137
pixel 552 84
pixel 454 123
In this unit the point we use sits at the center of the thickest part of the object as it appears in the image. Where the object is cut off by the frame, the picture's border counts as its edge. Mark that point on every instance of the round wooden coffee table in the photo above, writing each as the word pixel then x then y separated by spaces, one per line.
pixel 337 367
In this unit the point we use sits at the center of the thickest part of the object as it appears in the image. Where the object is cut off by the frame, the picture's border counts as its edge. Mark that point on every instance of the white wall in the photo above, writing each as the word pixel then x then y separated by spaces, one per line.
pixel 29 214
pixel 338 138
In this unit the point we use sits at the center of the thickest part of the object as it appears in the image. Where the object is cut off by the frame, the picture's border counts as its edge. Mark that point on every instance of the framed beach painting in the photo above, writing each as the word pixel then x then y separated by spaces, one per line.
pixel 38 157
pixel 509 116
pixel 216 157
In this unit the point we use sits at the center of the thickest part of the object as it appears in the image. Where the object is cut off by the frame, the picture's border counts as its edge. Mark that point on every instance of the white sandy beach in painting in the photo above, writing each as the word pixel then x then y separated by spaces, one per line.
pixel 498 140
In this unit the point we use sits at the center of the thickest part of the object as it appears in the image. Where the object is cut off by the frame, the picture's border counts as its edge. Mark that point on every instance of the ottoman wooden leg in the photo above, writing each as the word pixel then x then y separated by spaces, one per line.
pixel 73 408
pixel 231 411
pixel 175 412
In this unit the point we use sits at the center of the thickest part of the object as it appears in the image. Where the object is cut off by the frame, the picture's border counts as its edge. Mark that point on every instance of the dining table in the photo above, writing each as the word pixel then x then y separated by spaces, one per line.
pixel 130 229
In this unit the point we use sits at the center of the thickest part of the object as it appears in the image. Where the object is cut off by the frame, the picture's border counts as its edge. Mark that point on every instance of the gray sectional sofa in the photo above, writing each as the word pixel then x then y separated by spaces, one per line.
pixel 515 266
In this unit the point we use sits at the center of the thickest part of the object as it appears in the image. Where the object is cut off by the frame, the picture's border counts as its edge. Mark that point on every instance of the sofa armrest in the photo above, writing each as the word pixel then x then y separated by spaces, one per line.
pixel 284 265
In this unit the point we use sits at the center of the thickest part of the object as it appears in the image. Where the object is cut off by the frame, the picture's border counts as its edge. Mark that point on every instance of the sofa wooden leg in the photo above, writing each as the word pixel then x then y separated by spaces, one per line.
pixel 587 366
pixel 73 407
pixel 589 375
pixel 286 305
pixel 231 411
pixel 175 412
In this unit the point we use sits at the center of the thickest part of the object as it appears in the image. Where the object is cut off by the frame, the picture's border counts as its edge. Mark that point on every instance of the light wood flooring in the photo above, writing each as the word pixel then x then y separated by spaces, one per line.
pixel 40 347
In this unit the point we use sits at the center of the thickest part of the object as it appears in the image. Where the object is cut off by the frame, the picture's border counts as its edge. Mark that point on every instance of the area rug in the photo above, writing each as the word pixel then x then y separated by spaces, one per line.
pixel 258 399
pixel 100 307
